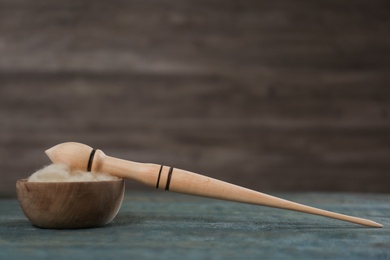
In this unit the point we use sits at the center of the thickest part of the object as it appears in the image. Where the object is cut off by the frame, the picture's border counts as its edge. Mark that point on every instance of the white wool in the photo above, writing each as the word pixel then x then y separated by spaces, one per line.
pixel 62 173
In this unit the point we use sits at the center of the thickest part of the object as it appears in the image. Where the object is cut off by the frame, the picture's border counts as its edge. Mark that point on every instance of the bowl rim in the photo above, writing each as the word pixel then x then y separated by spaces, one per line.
pixel 25 180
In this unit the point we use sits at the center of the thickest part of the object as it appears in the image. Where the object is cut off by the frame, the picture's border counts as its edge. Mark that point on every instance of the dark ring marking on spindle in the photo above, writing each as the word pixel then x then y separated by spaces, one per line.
pixel 90 161
pixel 159 175
pixel 169 178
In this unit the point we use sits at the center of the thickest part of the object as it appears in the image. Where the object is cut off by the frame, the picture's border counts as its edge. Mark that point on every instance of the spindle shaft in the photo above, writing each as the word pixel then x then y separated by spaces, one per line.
pixel 82 157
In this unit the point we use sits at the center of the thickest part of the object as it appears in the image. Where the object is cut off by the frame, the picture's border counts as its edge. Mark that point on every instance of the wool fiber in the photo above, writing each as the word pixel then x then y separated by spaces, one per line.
pixel 63 173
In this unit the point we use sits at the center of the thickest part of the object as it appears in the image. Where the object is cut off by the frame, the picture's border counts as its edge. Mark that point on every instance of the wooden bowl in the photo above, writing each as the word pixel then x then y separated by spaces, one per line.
pixel 66 205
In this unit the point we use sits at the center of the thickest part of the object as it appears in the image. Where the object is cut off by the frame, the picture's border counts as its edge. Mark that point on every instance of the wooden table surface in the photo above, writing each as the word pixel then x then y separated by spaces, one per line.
pixel 162 225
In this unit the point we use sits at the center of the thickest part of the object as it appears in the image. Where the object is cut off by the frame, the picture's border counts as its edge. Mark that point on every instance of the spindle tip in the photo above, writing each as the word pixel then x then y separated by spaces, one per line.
pixel 374 224
pixel 76 155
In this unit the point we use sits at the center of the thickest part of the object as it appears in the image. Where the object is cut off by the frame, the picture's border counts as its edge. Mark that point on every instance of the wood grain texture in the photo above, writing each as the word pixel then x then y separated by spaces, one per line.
pixel 268 95
pixel 70 205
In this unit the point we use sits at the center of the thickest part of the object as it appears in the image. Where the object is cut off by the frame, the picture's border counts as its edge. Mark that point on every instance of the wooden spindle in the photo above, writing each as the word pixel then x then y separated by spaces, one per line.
pixel 83 157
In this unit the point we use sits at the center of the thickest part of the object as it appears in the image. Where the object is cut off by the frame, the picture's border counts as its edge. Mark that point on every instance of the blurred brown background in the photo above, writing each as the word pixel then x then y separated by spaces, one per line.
pixel 271 95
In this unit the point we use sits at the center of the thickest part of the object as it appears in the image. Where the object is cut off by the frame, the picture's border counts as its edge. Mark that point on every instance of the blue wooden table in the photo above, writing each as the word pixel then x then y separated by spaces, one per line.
pixel 162 225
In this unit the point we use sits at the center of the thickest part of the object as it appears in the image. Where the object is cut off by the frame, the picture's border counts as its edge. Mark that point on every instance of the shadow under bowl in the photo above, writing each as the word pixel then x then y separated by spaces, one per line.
pixel 69 205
